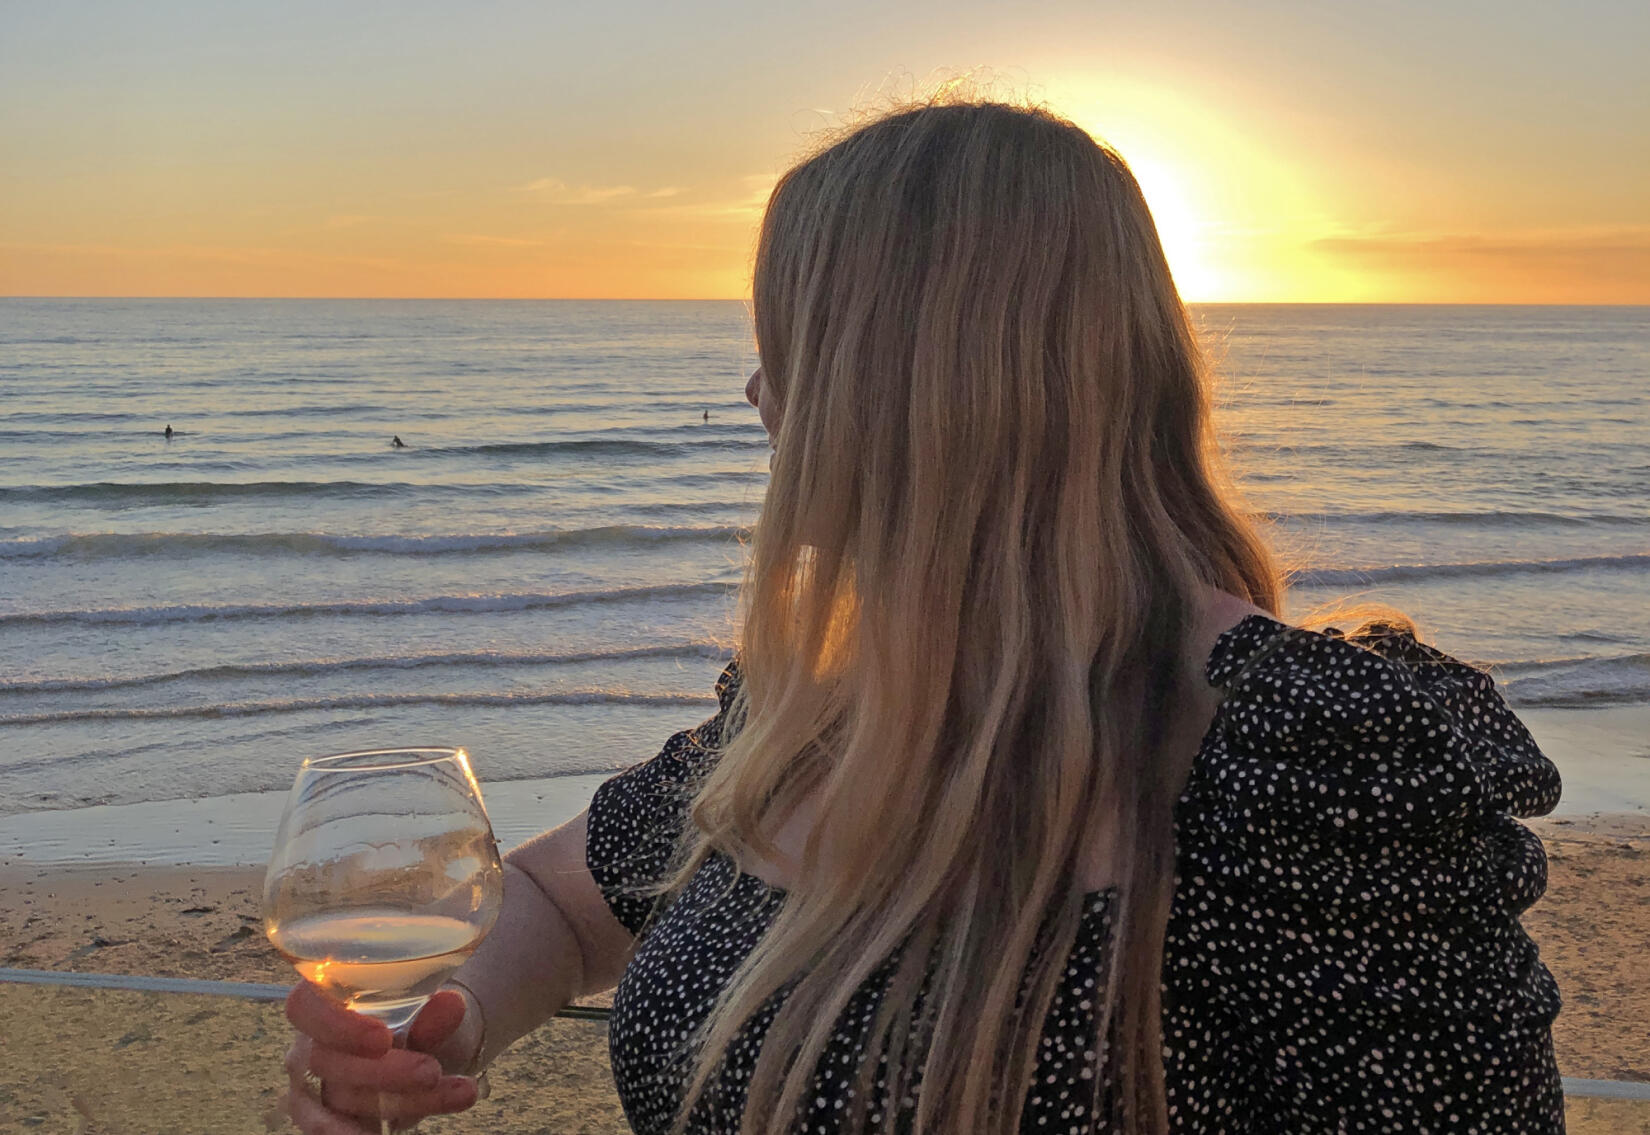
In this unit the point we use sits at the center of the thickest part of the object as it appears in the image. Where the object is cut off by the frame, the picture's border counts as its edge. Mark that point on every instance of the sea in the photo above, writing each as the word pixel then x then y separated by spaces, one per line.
pixel 546 572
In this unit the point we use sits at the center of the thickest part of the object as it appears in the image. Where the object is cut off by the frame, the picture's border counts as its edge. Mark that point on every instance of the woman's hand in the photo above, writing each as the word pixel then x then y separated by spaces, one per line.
pixel 362 1075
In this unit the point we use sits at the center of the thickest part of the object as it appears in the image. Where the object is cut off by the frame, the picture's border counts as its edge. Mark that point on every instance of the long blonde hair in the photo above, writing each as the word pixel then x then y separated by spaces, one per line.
pixel 993 500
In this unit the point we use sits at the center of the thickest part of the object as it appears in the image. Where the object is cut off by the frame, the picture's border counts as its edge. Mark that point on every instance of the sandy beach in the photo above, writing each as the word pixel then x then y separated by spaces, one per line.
pixel 90 1061
pixel 99 1062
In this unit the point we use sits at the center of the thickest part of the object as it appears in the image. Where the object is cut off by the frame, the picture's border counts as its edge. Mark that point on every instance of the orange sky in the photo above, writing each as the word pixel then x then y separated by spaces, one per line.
pixel 1291 151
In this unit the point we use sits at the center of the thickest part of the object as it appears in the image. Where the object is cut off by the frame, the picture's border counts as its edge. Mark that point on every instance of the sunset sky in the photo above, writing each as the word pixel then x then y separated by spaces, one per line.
pixel 1292 151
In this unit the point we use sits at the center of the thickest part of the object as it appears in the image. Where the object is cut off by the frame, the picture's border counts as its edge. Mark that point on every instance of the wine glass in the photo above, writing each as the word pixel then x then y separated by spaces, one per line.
pixel 384 878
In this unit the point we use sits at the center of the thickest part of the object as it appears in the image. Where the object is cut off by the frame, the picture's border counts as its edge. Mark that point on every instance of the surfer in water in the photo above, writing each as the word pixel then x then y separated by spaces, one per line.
pixel 168 431
pixel 707 415
pixel 397 443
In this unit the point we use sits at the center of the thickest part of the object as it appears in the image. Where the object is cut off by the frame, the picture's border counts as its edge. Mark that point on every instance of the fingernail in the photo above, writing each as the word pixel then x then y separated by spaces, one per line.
pixel 457 1090
pixel 428 1072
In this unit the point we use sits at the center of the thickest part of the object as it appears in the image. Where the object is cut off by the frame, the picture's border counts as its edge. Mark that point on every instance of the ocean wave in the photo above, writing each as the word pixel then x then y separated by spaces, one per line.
pixel 1436 447
pixel 600 447
pixel 138 493
pixel 357 701
pixel 1412 573
pixel 104 545
pixel 1573 683
pixel 1508 668
pixel 71 416
pixel 128 493
pixel 315 667
pixel 1489 519
pixel 448 604
pixel 330 410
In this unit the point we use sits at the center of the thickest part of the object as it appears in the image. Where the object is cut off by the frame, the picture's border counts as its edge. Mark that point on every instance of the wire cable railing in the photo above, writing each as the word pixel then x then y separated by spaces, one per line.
pixel 1574 1086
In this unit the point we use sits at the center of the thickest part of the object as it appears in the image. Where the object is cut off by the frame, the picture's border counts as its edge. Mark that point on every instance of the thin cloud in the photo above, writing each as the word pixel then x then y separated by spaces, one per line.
pixel 250 256
pixel 681 246
pixel 745 206
pixel 556 192
pixel 1630 243
pixel 1580 265
pixel 481 240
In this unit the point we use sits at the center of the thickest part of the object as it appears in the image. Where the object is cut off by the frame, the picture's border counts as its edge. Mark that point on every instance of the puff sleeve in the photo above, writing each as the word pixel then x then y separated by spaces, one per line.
pixel 1344 947
pixel 636 819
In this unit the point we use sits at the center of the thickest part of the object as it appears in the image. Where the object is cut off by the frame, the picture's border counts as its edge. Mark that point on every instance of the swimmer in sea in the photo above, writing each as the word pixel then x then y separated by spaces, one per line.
pixel 397 443
pixel 707 415
pixel 168 431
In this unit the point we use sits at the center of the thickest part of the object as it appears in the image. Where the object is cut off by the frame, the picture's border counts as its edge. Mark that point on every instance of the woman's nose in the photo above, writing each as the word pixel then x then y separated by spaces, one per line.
pixel 752 386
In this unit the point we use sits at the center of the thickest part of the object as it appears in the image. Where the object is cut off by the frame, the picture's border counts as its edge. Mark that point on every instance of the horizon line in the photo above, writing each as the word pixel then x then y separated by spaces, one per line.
pixel 746 300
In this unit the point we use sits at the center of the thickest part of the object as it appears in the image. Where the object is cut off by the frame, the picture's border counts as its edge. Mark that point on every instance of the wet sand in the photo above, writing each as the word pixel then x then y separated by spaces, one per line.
pixel 91 1061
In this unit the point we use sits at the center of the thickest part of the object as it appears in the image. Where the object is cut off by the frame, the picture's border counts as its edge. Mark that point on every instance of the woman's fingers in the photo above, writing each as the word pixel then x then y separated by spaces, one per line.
pixel 452 1093
pixel 297 1057
pixel 395 1071
pixel 350 1107
pixel 310 1117
pixel 436 1021
pixel 314 1014
pixel 365 1076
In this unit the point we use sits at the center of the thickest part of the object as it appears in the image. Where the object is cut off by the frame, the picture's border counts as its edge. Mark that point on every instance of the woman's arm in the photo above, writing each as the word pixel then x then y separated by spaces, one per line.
pixel 555 940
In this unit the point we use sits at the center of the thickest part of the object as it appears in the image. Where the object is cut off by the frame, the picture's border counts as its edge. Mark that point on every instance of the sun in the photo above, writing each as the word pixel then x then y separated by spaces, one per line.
pixel 1237 215
pixel 1181 229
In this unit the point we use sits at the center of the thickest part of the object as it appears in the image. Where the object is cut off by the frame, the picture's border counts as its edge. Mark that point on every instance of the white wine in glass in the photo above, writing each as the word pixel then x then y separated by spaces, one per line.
pixel 384 878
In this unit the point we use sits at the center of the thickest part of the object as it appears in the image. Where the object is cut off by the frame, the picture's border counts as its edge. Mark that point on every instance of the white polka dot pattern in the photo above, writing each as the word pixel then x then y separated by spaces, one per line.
pixel 1343 952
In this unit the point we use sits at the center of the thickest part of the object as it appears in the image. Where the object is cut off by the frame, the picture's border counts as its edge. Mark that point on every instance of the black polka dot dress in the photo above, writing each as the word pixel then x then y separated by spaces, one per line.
pixel 1343 951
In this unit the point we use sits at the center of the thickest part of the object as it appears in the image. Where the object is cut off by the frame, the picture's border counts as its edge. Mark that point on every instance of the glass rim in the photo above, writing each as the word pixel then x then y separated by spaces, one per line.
pixel 413 757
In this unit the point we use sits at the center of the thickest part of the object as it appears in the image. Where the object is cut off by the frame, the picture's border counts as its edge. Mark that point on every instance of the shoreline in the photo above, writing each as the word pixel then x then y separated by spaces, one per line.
pixel 239 830
pixel 1601 753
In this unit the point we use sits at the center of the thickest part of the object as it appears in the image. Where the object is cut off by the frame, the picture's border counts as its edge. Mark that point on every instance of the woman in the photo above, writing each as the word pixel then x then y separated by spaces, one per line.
pixel 1022 811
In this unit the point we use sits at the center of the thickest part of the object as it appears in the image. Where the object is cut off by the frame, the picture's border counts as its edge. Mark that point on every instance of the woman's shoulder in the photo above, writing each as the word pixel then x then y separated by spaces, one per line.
pixel 1350 878
pixel 1373 729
